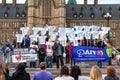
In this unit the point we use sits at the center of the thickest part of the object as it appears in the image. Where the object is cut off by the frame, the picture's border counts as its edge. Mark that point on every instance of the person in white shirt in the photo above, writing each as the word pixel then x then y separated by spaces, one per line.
pixel 49 53
pixel 76 73
pixel 33 50
pixel 64 74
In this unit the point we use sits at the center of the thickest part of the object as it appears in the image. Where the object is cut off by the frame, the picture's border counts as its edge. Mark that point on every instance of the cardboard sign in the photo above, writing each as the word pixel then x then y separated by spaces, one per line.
pixel 94 28
pixel 88 35
pixel 24 30
pixel 35 30
pixel 34 38
pixel 19 38
pixel 42 39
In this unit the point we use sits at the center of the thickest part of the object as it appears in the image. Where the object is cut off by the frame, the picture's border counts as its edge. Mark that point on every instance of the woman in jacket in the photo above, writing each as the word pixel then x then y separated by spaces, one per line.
pixel 21 73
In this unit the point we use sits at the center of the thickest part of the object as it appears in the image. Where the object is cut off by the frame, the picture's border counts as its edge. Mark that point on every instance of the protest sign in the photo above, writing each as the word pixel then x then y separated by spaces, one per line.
pixel 23 55
pixel 19 38
pixel 87 54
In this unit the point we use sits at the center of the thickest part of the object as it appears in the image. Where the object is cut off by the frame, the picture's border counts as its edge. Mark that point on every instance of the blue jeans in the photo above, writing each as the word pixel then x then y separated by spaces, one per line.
pixel 49 61
pixel 7 57
pixel 33 64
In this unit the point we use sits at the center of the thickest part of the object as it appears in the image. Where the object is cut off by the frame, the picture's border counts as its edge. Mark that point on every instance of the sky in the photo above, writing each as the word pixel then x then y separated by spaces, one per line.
pixel 79 1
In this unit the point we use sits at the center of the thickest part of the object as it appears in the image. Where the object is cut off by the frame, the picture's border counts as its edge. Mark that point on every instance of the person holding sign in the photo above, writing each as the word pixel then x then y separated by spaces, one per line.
pixel 41 54
pixel 7 51
pixel 70 51
pixel 34 48
pixel 109 52
pixel 27 41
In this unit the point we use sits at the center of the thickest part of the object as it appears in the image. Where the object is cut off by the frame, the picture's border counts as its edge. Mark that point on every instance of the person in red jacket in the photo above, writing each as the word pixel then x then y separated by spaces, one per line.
pixel 70 51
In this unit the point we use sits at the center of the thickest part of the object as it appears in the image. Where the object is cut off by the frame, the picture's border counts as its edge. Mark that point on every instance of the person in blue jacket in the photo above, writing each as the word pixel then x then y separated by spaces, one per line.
pixel 7 51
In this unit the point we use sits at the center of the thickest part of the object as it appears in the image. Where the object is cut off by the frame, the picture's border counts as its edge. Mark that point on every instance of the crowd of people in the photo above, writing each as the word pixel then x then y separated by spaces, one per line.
pixel 75 73
pixel 54 53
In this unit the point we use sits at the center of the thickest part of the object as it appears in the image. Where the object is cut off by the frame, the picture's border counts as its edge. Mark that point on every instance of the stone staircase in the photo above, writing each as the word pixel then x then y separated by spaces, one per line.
pixel 85 69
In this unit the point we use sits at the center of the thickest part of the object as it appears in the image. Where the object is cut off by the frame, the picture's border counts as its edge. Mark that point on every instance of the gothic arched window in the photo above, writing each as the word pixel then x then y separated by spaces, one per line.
pixel 46 8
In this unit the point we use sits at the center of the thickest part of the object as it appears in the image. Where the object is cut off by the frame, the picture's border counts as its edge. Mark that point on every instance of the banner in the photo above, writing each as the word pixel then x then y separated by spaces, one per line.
pixel 85 54
pixel 23 55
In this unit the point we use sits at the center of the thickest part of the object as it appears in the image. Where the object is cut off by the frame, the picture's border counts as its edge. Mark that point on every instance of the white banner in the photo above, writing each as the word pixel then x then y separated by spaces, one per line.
pixel 23 55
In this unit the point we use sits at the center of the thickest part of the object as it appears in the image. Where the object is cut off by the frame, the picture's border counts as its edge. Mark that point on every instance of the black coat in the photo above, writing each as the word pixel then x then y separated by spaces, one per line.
pixel 55 49
pixel 21 75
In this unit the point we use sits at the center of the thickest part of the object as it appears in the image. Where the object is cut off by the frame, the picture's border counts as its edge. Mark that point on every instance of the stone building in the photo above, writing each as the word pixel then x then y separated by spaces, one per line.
pixel 46 12
pixel 12 17
pixel 39 13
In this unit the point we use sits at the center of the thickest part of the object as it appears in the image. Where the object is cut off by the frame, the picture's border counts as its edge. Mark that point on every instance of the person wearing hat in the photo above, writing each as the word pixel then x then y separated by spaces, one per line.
pixel 43 74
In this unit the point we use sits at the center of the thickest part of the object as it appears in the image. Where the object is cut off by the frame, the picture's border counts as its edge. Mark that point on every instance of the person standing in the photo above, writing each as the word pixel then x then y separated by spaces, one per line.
pixel 20 73
pixel 34 47
pixel 2 77
pixel 95 73
pixel 27 41
pixel 7 51
pixel 41 54
pixel 64 74
pixel 67 52
pixel 111 73
pixel 49 53
pixel 43 74
pixel 109 52
pixel 58 48
pixel 70 52
pixel 100 44
pixel 76 73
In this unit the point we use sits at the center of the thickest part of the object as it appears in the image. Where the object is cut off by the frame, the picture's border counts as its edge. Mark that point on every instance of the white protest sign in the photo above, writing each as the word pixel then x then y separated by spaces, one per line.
pixel 86 28
pixel 42 39
pixel 24 58
pixel 24 30
pixel 35 30
pixel 95 34
pixel 75 41
pixel 80 35
pixel 22 55
pixel 94 28
pixel 19 38
pixel 51 28
pixel 53 36
pixel 87 34
pixel 71 35
pixel 79 28
pixel 105 29
pixel 62 32
pixel 68 30
pixel 102 34
pixel 43 31
pixel 62 41
pixel 34 37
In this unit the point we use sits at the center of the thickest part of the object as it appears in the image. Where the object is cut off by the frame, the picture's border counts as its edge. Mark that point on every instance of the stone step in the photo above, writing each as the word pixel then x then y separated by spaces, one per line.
pixel 55 72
